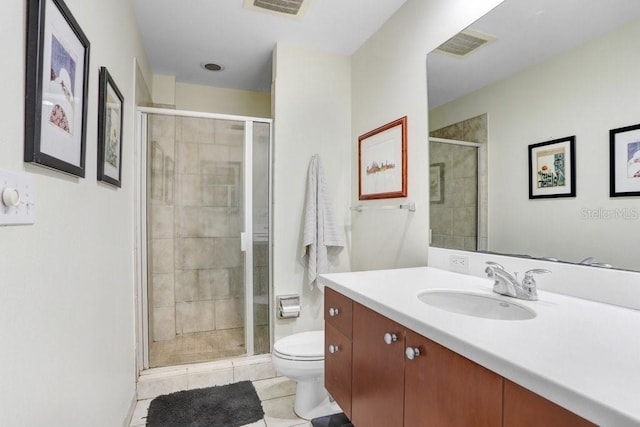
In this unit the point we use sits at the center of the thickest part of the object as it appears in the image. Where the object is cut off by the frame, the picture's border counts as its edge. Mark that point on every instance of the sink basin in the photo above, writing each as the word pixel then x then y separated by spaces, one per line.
pixel 474 304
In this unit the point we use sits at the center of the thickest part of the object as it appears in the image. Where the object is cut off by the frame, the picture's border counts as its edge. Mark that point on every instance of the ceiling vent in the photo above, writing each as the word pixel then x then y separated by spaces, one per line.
pixel 464 43
pixel 289 8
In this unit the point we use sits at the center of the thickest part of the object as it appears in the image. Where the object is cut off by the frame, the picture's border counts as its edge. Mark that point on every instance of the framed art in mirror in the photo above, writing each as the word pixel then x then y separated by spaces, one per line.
pixel 552 168
pixel 110 105
pixel 624 158
pixel 436 183
pixel 382 162
pixel 57 76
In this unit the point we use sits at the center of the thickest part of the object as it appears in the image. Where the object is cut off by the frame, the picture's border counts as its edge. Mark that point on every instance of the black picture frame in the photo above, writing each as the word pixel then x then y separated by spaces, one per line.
pixel 110 122
pixel 624 161
pixel 57 79
pixel 552 168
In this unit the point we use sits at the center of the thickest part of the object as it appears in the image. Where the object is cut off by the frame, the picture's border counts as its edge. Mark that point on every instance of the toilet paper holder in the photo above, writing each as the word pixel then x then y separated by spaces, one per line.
pixel 288 306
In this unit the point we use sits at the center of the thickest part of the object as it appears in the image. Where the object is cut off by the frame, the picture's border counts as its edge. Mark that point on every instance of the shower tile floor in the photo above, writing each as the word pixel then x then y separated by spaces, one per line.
pixel 276 394
pixel 205 346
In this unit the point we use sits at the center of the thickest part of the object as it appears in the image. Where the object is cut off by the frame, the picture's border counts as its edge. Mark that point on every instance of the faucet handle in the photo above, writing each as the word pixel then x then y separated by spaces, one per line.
pixel 528 280
pixel 494 264
pixel 491 266
pixel 530 273
pixel 529 283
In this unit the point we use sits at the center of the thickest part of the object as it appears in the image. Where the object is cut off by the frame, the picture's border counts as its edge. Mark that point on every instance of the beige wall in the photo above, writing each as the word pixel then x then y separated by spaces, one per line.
pixel 581 93
pixel 209 99
pixel 67 285
pixel 221 100
pixel 388 82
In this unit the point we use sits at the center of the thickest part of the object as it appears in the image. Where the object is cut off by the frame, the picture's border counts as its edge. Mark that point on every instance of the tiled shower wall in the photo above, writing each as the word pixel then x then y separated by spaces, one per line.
pixel 460 220
pixel 261 297
pixel 196 272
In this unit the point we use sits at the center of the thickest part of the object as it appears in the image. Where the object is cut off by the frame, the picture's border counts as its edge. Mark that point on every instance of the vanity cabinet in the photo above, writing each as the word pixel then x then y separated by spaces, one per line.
pixel 383 374
pixel 337 339
pixel 527 409
pixel 378 369
pixel 443 388
pixel 437 387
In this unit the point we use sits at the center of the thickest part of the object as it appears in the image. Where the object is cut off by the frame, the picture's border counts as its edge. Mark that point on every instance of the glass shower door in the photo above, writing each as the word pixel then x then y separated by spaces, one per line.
pixel 197 263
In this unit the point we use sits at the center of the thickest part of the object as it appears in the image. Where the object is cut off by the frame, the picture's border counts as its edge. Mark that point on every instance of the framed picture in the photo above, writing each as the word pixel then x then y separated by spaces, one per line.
pixel 436 183
pixel 56 88
pixel 552 168
pixel 110 105
pixel 382 162
pixel 624 159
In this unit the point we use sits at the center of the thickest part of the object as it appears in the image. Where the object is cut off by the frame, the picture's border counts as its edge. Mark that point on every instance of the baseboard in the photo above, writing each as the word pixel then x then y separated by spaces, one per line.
pixel 132 408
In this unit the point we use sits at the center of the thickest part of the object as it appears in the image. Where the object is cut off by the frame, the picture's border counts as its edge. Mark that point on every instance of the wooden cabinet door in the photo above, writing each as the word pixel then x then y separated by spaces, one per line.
pixel 378 371
pixel 443 388
pixel 524 408
pixel 337 367
pixel 338 311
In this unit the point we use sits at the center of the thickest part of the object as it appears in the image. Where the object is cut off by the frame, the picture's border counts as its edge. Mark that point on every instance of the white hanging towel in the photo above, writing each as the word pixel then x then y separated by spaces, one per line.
pixel 319 229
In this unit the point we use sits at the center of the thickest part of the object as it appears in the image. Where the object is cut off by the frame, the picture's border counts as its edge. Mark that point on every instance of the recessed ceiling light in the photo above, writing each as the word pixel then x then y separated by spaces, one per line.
pixel 212 66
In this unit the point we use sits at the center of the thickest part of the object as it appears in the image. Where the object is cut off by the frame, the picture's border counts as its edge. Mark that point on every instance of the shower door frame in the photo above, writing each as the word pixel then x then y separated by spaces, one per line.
pixel 246 240
pixel 482 209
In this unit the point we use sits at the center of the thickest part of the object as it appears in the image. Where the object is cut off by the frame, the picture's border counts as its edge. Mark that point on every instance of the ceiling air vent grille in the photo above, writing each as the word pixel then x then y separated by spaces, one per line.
pixel 291 8
pixel 464 43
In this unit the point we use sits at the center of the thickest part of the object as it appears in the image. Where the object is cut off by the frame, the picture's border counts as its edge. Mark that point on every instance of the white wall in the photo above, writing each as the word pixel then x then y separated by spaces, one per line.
pixel 388 82
pixel 584 93
pixel 312 113
pixel 66 290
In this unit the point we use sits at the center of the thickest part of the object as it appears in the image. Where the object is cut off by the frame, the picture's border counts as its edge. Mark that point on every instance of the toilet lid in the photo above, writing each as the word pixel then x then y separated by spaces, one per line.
pixel 303 345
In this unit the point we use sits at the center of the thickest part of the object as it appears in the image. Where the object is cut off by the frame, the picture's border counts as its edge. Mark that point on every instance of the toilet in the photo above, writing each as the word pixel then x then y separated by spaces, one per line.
pixel 300 357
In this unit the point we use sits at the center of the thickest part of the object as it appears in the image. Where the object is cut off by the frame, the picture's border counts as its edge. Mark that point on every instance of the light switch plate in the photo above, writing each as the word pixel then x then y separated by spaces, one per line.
pixel 25 212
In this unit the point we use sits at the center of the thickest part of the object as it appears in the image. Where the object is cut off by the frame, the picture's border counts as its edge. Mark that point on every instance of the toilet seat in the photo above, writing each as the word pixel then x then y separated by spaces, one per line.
pixel 303 346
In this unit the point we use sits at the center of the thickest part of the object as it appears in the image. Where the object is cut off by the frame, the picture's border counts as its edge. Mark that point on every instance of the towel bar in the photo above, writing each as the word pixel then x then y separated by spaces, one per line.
pixel 410 206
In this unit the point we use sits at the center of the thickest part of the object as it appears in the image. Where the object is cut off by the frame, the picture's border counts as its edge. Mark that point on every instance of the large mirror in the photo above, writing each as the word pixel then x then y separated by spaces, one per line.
pixel 549 70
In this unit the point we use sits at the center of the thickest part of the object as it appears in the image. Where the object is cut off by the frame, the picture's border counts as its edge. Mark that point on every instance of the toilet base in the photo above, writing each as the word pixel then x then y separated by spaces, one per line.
pixel 313 401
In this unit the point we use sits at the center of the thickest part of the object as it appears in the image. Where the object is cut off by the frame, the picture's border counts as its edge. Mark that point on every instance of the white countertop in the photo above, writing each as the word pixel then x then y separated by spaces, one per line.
pixel 583 355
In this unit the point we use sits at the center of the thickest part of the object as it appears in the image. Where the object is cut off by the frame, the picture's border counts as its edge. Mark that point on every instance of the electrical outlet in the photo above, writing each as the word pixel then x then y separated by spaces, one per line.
pixel 459 263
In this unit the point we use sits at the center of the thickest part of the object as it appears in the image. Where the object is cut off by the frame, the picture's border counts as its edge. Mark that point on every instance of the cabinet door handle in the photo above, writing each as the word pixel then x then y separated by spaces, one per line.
pixel 333 348
pixel 390 338
pixel 333 312
pixel 412 352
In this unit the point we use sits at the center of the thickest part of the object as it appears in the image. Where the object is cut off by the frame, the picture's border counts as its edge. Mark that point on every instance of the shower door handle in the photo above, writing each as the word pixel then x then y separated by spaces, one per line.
pixel 243 241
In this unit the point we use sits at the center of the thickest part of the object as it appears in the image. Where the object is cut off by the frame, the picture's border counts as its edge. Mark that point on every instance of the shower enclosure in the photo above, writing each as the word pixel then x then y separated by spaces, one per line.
pixel 457 195
pixel 205 207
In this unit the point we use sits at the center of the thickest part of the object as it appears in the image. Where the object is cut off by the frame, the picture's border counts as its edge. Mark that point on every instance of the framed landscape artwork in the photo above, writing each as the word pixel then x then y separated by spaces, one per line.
pixel 382 162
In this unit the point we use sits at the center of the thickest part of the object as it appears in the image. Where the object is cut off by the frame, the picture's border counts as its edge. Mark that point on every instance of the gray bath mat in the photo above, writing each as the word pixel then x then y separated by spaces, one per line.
pixel 230 405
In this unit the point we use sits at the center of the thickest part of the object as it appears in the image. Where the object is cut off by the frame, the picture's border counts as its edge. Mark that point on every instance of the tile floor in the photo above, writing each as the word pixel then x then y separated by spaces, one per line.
pixel 197 347
pixel 207 346
pixel 276 393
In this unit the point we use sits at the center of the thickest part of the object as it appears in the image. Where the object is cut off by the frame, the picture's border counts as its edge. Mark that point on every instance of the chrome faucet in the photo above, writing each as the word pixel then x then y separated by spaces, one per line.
pixel 507 284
